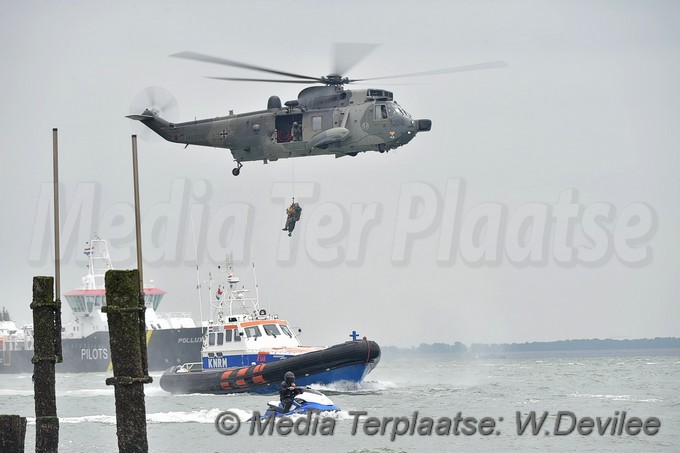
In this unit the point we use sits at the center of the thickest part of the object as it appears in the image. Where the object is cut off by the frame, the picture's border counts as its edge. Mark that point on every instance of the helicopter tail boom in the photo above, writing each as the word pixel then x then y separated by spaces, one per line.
pixel 153 122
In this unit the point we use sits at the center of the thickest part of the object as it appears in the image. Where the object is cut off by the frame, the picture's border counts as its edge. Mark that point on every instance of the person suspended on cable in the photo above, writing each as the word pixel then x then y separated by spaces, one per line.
pixel 293 213
pixel 288 391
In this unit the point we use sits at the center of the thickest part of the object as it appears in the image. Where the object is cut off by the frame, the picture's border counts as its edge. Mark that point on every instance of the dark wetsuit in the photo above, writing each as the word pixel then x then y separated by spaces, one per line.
pixel 287 395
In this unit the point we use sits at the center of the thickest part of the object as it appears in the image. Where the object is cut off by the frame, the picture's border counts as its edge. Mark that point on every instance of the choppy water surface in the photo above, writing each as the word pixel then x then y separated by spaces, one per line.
pixel 436 387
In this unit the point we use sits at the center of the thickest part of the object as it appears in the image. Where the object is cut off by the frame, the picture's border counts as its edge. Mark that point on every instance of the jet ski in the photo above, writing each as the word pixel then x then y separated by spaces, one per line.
pixel 309 400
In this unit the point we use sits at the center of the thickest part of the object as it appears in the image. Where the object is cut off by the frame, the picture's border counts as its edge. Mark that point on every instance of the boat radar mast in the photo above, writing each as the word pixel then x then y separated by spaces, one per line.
pixel 232 302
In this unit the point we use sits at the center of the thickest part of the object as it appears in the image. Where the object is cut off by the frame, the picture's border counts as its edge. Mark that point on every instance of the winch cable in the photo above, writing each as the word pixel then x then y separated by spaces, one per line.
pixel 293 179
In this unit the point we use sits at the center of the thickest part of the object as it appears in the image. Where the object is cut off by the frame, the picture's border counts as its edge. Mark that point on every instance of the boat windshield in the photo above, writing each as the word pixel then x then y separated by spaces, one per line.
pixel 253 332
pixel 270 329
pixel 286 331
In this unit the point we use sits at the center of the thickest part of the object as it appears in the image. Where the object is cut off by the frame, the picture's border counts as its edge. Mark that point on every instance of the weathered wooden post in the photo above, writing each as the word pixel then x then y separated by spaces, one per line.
pixel 124 315
pixel 12 433
pixel 46 421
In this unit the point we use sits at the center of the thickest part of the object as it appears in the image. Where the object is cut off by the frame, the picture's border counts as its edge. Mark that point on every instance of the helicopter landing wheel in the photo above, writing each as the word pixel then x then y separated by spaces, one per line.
pixel 353 154
pixel 381 148
pixel 236 171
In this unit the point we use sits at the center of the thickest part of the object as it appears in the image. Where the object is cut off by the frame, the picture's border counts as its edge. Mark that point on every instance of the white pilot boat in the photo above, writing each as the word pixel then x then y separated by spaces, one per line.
pixel 172 338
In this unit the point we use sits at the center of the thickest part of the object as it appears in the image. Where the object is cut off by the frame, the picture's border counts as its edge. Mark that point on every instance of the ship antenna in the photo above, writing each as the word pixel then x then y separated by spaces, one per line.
pixel 252 254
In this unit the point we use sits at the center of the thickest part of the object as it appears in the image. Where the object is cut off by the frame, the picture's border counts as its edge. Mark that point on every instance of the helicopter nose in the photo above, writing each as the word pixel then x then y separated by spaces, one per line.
pixel 424 125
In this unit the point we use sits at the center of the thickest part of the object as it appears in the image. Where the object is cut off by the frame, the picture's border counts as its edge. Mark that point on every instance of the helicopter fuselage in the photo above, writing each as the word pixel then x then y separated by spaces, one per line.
pixel 323 120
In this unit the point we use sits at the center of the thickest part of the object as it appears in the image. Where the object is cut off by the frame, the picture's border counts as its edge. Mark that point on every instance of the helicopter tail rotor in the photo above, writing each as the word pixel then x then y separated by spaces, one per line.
pixel 148 103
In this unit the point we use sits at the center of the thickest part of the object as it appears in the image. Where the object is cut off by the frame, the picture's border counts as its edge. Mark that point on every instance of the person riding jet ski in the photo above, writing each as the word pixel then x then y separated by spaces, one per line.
pixel 288 391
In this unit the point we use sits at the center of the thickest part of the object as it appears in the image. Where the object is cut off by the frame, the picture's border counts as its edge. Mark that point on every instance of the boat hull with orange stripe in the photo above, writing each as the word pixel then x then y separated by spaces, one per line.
pixel 350 361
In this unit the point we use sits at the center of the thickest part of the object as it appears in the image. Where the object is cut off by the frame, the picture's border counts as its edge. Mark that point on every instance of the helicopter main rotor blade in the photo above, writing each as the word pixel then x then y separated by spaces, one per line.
pixel 240 79
pixel 348 54
pixel 223 61
pixel 473 67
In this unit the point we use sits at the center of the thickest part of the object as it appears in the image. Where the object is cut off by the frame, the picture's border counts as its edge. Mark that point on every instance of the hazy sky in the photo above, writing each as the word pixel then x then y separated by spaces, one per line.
pixel 543 205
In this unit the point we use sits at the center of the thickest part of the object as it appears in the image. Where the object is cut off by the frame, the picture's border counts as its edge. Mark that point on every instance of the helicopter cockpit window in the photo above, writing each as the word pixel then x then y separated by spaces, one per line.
pixel 380 112
pixel 395 109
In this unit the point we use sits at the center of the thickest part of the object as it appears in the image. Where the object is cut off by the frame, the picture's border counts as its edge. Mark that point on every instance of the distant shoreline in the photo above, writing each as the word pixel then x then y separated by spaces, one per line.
pixel 565 348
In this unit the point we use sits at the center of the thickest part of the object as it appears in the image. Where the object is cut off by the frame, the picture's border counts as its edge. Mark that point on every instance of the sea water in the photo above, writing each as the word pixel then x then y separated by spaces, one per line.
pixel 409 403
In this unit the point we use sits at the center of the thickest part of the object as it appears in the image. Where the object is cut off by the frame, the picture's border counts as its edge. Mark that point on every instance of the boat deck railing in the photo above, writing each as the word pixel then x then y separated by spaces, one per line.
pixel 190 367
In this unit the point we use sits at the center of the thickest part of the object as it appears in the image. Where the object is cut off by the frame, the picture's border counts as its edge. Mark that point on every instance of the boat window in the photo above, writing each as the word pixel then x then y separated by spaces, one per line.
pixel 237 336
pixel 270 329
pixel 253 331
pixel 211 339
pixel 227 335
pixel 220 338
pixel 286 330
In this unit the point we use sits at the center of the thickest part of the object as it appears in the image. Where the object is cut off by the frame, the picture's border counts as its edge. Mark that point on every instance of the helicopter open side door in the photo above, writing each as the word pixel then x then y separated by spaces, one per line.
pixel 288 128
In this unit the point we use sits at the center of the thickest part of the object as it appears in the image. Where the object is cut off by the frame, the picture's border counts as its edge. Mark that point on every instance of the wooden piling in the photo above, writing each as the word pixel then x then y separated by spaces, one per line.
pixel 46 421
pixel 125 315
pixel 12 433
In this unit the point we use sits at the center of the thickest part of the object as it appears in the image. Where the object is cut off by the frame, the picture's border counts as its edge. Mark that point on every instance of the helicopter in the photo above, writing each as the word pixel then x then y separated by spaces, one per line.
pixel 323 120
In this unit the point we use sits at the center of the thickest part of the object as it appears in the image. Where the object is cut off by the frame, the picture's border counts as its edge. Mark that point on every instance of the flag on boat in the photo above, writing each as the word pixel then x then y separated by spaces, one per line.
pixel 88 249
pixel 219 292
